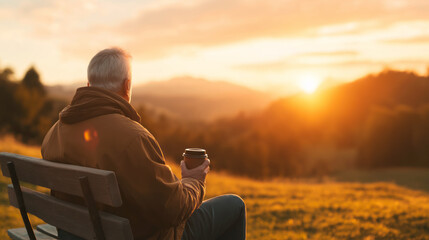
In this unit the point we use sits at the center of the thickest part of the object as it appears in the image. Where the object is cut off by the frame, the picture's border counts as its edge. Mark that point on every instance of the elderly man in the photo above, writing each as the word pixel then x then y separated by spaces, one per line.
pixel 100 129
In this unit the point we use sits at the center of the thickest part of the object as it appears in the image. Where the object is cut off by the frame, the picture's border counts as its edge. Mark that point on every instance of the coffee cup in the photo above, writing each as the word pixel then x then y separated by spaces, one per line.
pixel 194 157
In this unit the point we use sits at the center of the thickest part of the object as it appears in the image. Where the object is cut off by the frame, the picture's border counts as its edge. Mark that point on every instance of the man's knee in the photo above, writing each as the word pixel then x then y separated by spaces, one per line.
pixel 236 201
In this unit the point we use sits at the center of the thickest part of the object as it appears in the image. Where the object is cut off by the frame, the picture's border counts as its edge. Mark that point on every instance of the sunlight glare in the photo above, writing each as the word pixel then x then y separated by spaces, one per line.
pixel 309 83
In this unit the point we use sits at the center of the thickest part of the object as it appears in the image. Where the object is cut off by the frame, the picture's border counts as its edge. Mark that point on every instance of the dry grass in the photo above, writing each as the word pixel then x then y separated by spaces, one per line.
pixel 297 210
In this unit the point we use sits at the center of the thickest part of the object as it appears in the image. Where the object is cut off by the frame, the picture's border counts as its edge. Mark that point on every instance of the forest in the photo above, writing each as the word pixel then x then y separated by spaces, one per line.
pixel 378 121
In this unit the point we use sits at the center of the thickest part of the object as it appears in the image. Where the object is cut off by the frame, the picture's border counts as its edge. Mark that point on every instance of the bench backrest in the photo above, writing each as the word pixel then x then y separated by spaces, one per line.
pixel 65 178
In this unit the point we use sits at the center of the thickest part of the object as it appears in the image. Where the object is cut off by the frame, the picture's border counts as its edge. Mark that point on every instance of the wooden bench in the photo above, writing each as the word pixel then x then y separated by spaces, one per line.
pixel 93 185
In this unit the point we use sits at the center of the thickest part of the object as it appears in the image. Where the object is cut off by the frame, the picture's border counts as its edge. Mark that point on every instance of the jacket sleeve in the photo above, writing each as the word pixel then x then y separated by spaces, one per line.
pixel 152 187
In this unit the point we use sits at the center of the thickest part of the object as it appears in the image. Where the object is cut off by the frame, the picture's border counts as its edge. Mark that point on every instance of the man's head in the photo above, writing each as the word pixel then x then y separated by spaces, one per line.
pixel 111 69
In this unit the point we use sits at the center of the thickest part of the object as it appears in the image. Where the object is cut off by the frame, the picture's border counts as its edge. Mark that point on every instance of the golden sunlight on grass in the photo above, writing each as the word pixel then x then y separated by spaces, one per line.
pixel 10 216
pixel 9 144
pixel 309 83
pixel 284 209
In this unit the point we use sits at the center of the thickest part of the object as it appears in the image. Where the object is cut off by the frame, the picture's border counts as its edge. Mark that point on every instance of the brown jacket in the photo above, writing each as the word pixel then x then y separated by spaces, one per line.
pixel 100 129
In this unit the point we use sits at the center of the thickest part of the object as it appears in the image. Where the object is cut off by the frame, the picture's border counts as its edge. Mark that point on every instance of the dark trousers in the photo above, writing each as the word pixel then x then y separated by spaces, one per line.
pixel 222 217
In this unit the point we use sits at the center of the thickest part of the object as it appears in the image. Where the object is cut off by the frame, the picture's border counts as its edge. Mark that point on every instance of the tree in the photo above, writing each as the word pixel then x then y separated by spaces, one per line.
pixel 9 108
pixel 32 81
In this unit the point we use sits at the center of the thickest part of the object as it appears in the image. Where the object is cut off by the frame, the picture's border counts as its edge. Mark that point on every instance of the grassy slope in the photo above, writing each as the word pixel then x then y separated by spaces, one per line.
pixel 10 216
pixel 296 210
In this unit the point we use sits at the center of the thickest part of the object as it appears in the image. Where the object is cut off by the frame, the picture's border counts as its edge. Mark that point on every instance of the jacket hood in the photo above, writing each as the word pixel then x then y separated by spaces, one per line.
pixel 90 102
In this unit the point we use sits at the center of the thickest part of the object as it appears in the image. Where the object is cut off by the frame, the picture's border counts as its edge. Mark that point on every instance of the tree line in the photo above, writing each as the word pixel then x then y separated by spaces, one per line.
pixel 380 120
pixel 25 109
pixel 383 119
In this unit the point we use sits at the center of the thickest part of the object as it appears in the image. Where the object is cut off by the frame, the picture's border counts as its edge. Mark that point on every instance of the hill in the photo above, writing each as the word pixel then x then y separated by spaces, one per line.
pixel 343 117
pixel 188 98
pixel 285 209
pixel 350 104
pixel 378 121
pixel 198 99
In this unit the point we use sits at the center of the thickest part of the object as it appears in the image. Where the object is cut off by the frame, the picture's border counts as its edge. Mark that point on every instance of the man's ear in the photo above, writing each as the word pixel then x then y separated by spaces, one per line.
pixel 127 89
pixel 126 85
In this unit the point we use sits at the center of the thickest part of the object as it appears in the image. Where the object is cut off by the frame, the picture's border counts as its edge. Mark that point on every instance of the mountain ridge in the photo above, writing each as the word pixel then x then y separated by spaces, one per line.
pixel 188 98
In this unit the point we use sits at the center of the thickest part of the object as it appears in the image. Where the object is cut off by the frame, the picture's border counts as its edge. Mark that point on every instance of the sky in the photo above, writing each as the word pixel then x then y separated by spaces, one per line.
pixel 281 46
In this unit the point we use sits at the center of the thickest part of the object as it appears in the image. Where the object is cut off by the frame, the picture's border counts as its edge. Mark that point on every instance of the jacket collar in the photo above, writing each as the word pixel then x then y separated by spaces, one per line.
pixel 90 102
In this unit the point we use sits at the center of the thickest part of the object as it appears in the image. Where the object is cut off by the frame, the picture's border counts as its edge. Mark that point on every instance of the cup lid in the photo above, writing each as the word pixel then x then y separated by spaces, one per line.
pixel 195 153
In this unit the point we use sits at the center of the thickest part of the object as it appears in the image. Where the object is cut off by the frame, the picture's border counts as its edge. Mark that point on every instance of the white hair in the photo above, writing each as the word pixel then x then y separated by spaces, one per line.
pixel 109 69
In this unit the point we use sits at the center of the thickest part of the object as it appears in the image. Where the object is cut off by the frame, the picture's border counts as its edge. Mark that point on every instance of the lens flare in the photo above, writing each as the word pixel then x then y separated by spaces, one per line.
pixel 87 135
pixel 90 135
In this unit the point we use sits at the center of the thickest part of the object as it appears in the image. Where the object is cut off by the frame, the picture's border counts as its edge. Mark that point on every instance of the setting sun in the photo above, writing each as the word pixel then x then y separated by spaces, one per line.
pixel 309 83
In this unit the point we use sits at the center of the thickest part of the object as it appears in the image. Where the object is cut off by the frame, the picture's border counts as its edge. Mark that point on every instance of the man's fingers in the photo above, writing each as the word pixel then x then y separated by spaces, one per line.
pixel 183 165
pixel 204 167
pixel 206 163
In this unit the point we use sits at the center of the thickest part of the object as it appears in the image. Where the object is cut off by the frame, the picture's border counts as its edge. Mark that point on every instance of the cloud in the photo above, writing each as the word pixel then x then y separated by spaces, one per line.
pixel 209 23
pixel 424 39
pixel 302 60
pixel 328 54
pixel 164 28
pixel 76 29
pixel 290 63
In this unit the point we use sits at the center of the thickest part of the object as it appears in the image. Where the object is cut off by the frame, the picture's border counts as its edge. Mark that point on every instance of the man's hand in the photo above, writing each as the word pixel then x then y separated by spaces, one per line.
pixel 198 173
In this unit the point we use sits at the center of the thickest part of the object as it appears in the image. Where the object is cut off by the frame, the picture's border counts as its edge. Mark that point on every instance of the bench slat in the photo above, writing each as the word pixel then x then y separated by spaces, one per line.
pixel 48 230
pixel 71 217
pixel 21 234
pixel 64 177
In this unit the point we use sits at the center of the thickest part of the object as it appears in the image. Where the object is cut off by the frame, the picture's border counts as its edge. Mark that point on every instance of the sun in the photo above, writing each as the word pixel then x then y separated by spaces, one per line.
pixel 309 83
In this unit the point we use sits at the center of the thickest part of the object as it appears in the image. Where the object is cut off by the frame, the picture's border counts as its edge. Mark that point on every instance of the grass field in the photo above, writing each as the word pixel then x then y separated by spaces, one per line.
pixel 285 209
